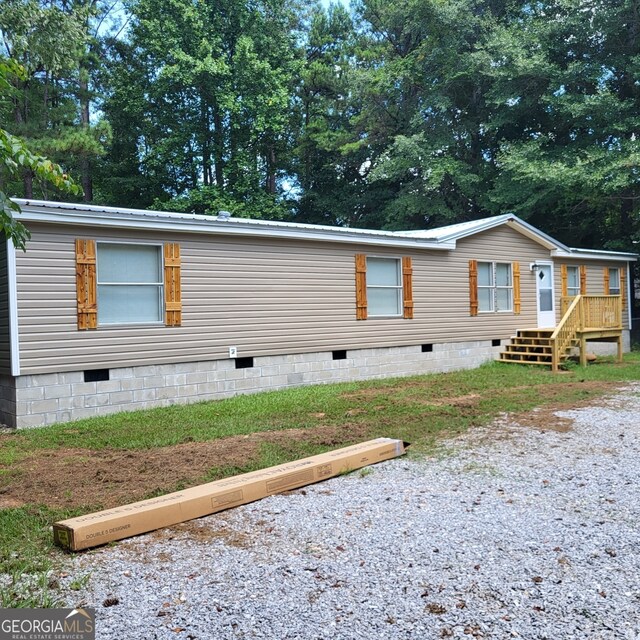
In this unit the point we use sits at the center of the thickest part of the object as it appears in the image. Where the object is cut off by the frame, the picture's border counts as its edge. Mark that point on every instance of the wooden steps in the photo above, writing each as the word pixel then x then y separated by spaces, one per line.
pixel 584 318
pixel 530 346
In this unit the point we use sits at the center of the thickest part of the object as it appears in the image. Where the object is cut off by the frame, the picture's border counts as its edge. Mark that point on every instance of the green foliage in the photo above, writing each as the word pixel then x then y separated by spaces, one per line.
pixel 16 157
pixel 47 104
pixel 42 35
pixel 204 93
pixel 565 92
pixel 211 200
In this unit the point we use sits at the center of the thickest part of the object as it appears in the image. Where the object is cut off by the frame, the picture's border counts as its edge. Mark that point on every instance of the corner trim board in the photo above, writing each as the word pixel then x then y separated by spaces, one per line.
pixel 628 285
pixel 13 309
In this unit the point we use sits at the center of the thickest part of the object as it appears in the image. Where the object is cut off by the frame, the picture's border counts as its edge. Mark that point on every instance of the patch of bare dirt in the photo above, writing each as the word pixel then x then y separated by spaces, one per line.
pixel 546 419
pixel 204 533
pixel 74 477
pixel 470 400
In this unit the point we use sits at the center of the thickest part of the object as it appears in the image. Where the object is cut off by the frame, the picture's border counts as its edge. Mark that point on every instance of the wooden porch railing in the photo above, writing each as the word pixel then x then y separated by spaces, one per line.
pixel 582 313
pixel 603 312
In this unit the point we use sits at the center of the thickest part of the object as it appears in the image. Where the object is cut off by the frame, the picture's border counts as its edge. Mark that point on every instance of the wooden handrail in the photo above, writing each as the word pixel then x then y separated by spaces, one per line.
pixel 566 331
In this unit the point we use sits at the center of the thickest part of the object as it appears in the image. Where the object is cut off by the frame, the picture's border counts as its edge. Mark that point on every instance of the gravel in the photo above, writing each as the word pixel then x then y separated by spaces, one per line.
pixel 508 532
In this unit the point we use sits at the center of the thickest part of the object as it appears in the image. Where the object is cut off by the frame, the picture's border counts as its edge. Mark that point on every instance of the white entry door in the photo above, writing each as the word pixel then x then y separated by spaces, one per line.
pixel 544 287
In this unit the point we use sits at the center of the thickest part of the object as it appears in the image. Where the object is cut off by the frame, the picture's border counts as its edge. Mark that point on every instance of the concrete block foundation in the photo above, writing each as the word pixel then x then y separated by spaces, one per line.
pixel 36 400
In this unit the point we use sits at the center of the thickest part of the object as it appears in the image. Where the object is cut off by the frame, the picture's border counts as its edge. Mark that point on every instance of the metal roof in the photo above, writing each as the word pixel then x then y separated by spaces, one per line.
pixel 93 215
pixel 440 238
pixel 464 229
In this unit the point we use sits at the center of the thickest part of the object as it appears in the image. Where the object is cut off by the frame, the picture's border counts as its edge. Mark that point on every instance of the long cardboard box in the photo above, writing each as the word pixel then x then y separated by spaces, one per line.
pixel 101 527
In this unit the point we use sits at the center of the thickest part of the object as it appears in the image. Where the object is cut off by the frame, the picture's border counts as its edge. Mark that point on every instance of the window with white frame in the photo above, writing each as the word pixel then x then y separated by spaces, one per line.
pixel 573 281
pixel 130 283
pixel 495 286
pixel 384 287
pixel 614 282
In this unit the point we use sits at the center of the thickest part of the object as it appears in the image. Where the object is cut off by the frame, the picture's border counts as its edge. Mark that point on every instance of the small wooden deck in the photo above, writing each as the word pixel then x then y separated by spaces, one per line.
pixel 585 318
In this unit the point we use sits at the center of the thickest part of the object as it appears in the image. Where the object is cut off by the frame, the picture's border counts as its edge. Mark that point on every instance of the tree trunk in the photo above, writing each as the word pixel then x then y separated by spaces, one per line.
pixel 20 118
pixel 85 162
pixel 218 147
pixel 271 170
pixel 207 177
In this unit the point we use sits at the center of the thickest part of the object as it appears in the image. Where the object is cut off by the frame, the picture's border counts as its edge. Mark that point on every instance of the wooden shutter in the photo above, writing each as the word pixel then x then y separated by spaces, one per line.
pixel 172 290
pixel 361 286
pixel 606 281
pixel 583 280
pixel 623 287
pixel 86 287
pixel 563 275
pixel 516 288
pixel 473 287
pixel 407 287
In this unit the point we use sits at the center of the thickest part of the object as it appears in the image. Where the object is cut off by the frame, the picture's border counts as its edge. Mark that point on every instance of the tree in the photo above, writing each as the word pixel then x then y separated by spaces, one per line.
pixel 427 107
pixel 211 98
pixel 49 104
pixel 15 157
pixel 568 81
pixel 332 155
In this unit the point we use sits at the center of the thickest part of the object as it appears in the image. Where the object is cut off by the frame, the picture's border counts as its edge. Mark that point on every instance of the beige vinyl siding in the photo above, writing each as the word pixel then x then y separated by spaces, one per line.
pixel 5 340
pixel 595 280
pixel 263 296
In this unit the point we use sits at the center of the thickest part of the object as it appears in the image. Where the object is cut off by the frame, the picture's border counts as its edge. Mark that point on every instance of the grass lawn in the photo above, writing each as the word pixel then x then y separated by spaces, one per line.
pixel 54 472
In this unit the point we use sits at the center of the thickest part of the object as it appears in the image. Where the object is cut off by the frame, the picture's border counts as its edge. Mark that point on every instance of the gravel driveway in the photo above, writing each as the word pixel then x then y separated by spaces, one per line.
pixel 511 532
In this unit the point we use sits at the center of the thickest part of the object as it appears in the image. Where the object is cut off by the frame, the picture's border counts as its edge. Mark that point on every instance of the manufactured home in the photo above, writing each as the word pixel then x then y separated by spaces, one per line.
pixel 112 309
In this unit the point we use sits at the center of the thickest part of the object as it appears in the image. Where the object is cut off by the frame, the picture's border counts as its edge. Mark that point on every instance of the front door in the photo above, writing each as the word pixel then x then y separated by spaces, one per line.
pixel 544 287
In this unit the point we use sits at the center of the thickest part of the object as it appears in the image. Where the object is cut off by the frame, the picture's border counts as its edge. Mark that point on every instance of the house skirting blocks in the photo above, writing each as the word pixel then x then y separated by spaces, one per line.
pixel 35 400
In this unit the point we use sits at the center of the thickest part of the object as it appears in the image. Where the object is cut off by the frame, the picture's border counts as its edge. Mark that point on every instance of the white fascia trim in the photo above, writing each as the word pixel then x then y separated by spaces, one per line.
pixel 229 228
pixel 535 234
pixel 13 309
pixel 479 226
pixel 593 254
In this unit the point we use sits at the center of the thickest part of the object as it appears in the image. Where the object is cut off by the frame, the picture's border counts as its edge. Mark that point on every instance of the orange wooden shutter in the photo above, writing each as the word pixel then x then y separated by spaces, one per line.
pixel 516 288
pixel 407 287
pixel 606 281
pixel 473 287
pixel 86 287
pixel 583 280
pixel 172 290
pixel 623 287
pixel 563 274
pixel 361 286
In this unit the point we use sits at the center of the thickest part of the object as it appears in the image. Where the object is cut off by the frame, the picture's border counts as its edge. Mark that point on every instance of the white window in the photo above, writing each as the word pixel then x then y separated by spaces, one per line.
pixel 130 283
pixel 573 281
pixel 614 282
pixel 384 287
pixel 495 286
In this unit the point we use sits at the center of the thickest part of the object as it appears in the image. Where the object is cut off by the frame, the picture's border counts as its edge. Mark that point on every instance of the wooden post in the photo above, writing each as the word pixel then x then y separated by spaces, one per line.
pixel 583 351
pixel 619 341
pixel 554 355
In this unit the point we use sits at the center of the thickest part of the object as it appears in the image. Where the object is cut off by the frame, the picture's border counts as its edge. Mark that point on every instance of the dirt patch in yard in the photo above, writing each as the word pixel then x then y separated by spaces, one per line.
pixel 74 477
pixel 546 419
pixel 470 400
pixel 85 478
